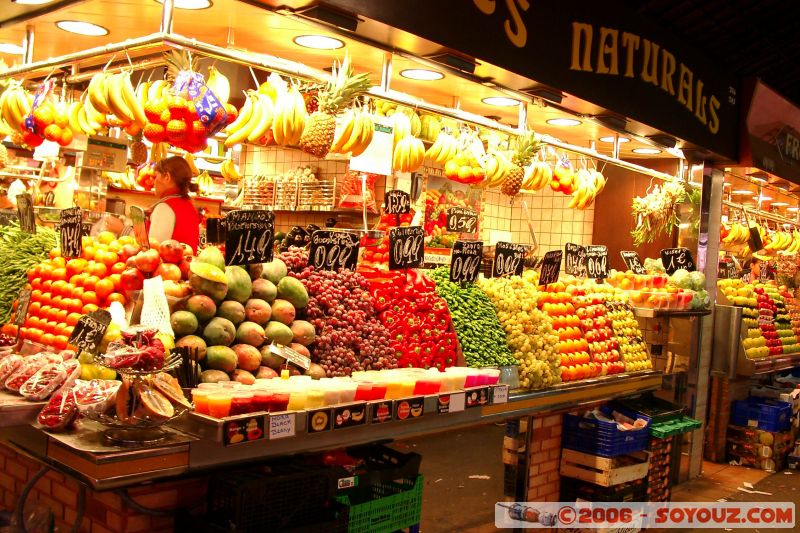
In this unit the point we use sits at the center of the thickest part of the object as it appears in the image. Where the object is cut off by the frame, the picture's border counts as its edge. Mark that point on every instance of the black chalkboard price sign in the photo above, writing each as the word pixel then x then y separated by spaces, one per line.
pixel 23 302
pixel 597 261
pixel 27 221
pixel 509 259
pixel 633 261
pixel 746 275
pixel 406 247
pixel 726 270
pixel 462 220
pixel 248 238
pixel 575 259
pixel 551 265
pixel 89 331
pixel 332 250
pixel 70 230
pixel 465 262
pixel 397 203
pixel 677 258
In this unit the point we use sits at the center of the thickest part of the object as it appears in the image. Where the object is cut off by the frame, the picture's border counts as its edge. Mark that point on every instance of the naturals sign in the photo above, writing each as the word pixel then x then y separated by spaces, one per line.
pixel 608 55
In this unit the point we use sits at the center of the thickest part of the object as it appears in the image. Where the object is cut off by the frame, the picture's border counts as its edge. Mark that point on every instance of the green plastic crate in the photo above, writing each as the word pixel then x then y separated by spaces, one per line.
pixel 384 507
pixel 673 427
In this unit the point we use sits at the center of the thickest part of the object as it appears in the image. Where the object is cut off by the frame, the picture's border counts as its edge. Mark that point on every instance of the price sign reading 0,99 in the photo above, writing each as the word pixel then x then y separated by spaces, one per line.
pixel 406 247
pixel 465 262
pixel 332 250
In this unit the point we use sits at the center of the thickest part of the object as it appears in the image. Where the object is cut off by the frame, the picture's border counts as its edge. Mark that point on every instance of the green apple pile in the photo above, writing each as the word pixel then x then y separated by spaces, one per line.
pixel 529 333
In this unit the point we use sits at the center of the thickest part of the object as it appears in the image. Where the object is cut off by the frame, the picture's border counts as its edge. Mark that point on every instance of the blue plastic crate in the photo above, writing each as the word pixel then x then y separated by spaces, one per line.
pixel 598 437
pixel 762 413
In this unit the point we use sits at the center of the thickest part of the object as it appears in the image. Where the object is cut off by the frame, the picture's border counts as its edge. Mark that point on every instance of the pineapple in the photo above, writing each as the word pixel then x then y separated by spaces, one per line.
pixel 138 151
pixel 343 87
pixel 524 150
pixel 178 61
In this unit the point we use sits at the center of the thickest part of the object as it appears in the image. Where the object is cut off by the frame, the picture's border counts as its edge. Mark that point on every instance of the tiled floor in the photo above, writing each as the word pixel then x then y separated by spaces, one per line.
pixel 717 481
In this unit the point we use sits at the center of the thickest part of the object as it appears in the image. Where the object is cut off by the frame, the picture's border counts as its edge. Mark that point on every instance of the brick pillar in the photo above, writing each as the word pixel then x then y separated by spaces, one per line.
pixel 719 415
pixel 544 456
pixel 104 512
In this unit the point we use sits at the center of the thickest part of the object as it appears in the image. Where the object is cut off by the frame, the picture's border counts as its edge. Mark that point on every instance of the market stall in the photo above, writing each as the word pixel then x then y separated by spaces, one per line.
pixel 304 320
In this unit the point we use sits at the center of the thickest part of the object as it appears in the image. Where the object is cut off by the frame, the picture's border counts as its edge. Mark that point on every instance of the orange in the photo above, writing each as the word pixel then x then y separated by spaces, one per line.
pixel 58 262
pixel 48 339
pixel 116 279
pixel 55 252
pixel 59 273
pixel 90 297
pixel 90 282
pixel 77 280
pixel 118 267
pixel 62 316
pixel 58 286
pixel 88 252
pixel 73 318
pixel 60 341
pixel 33 308
pixel 76 266
pixel 105 237
pixel 109 259
pixel 57 302
pixel 116 297
pixel 88 308
pixel 99 269
pixel 103 288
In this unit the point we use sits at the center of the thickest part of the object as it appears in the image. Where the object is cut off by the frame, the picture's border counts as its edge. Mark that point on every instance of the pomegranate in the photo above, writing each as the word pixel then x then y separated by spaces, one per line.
pixel 171 251
pixel 132 279
pixel 148 260
pixel 168 271
pixel 129 250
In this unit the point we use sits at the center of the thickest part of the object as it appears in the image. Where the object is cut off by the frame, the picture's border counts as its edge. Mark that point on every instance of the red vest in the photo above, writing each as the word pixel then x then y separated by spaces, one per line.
pixel 187 221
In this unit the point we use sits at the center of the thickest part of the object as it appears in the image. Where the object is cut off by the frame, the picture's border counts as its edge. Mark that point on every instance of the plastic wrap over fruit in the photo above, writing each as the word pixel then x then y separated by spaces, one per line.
pixel 59 413
pixel 95 396
pixel 43 382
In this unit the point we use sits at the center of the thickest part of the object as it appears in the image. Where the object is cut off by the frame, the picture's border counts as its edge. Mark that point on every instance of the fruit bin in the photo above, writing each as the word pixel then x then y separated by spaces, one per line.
pixel 631 491
pixel 763 413
pixel 384 507
pixel 604 471
pixel 602 438
pixel 650 408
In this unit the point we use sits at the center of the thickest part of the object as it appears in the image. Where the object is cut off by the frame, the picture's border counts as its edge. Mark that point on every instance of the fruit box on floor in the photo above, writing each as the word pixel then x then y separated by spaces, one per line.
pixel 604 471
pixel 762 413
pixel 766 450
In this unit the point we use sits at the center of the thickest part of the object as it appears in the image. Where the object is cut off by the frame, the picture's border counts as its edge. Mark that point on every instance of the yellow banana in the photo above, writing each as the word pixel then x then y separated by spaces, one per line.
pixel 156 89
pixel 278 133
pixel 241 134
pixel 129 98
pixel 97 92
pixel 243 117
pixel 345 134
pixel 265 119
pixel 115 98
pixel 436 148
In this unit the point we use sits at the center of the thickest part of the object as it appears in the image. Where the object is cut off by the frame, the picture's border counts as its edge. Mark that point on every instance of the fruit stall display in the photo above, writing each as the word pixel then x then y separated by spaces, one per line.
pixel 769 325
pixel 375 245
pixel 683 290
pixel 440 196
pixel 20 251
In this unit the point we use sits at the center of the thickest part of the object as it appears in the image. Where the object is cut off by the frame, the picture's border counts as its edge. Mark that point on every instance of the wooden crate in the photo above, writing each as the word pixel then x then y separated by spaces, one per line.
pixel 603 470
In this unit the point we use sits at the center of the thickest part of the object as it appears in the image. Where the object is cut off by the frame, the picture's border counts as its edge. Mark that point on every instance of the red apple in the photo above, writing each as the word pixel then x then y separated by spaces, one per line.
pixel 132 279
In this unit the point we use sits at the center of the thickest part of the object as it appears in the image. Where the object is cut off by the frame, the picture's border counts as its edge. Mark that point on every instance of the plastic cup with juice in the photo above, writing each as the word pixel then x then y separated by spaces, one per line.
pixel 279 401
pixel 315 398
pixel 241 402
pixel 297 399
pixel 219 404
pixel 200 399
pixel 262 398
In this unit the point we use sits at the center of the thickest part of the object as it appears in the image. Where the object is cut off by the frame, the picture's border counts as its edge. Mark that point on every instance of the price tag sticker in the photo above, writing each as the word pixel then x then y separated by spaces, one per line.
pixel 462 220
pixel 396 202
pixel 500 394
pixel 509 259
pixel 332 250
pixel 597 261
pixel 551 265
pixel 89 331
pixel 633 261
pixel 291 355
pixel 70 230
pixel 575 260
pixel 453 402
pixel 406 247
pixel 676 258
pixel 23 302
pixel 281 425
pixel 27 221
pixel 249 235
pixel 465 261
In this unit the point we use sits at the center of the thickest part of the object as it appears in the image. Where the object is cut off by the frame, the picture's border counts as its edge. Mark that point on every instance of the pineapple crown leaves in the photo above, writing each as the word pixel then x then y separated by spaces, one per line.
pixel 180 60
pixel 526 147
pixel 344 87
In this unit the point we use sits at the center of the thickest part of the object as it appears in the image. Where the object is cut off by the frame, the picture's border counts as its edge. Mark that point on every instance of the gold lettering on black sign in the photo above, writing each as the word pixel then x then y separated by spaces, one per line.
pixel 514 27
pixel 642 56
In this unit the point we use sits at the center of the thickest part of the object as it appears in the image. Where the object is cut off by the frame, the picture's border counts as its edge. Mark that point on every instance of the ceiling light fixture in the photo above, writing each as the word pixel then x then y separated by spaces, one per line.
pixel 564 122
pixel 763 198
pixel 646 151
pixel 13 49
pixel 611 139
pixel 32 2
pixel 726 184
pixel 741 191
pixel 793 209
pixel 82 28
pixel 421 74
pixel 189 4
pixel 500 101
pixel 779 204
pixel 318 42
pixel 760 180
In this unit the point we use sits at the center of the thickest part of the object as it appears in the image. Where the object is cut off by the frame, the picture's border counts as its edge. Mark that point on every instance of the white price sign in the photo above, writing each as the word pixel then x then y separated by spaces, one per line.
pixel 281 426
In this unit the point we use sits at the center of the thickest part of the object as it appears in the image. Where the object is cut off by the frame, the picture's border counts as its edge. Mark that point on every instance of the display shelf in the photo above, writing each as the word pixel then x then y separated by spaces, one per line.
pixel 113 189
pixel 16 410
pixel 85 455
pixel 645 312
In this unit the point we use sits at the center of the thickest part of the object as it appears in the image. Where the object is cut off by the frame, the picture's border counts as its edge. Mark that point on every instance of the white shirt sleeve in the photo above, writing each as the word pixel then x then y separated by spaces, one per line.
pixel 162 222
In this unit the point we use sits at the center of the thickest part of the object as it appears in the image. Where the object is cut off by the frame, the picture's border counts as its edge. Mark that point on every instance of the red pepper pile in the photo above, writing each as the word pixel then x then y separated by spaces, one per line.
pixel 417 318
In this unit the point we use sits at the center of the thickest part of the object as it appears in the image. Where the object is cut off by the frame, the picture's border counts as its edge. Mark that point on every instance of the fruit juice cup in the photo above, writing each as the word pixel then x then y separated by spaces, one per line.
pixel 492 375
pixel 297 399
pixel 279 401
pixel 378 391
pixel 407 386
pixel 200 399
pixel 262 399
pixel 427 385
pixel 394 389
pixel 241 402
pixel 315 398
pixel 209 386
pixel 458 375
pixel 347 392
pixel 230 385
pixel 332 393
pixel 219 404
pixel 472 378
pixel 364 391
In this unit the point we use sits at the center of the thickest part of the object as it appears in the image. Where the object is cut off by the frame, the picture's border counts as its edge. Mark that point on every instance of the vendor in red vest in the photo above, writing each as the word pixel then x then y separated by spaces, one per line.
pixel 174 216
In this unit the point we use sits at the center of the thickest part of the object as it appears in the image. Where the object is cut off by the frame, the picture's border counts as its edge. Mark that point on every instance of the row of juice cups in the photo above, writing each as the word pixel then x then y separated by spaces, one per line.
pixel 230 398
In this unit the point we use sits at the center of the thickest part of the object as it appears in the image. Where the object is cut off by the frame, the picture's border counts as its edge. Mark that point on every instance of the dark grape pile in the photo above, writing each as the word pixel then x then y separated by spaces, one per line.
pixel 349 335
pixel 6 340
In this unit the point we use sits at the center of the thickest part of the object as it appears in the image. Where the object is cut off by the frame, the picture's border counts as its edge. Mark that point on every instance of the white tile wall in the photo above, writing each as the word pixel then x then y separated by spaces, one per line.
pixel 553 222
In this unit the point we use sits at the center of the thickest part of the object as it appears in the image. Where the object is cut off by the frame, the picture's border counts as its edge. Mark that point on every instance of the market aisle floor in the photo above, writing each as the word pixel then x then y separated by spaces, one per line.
pixel 463 478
